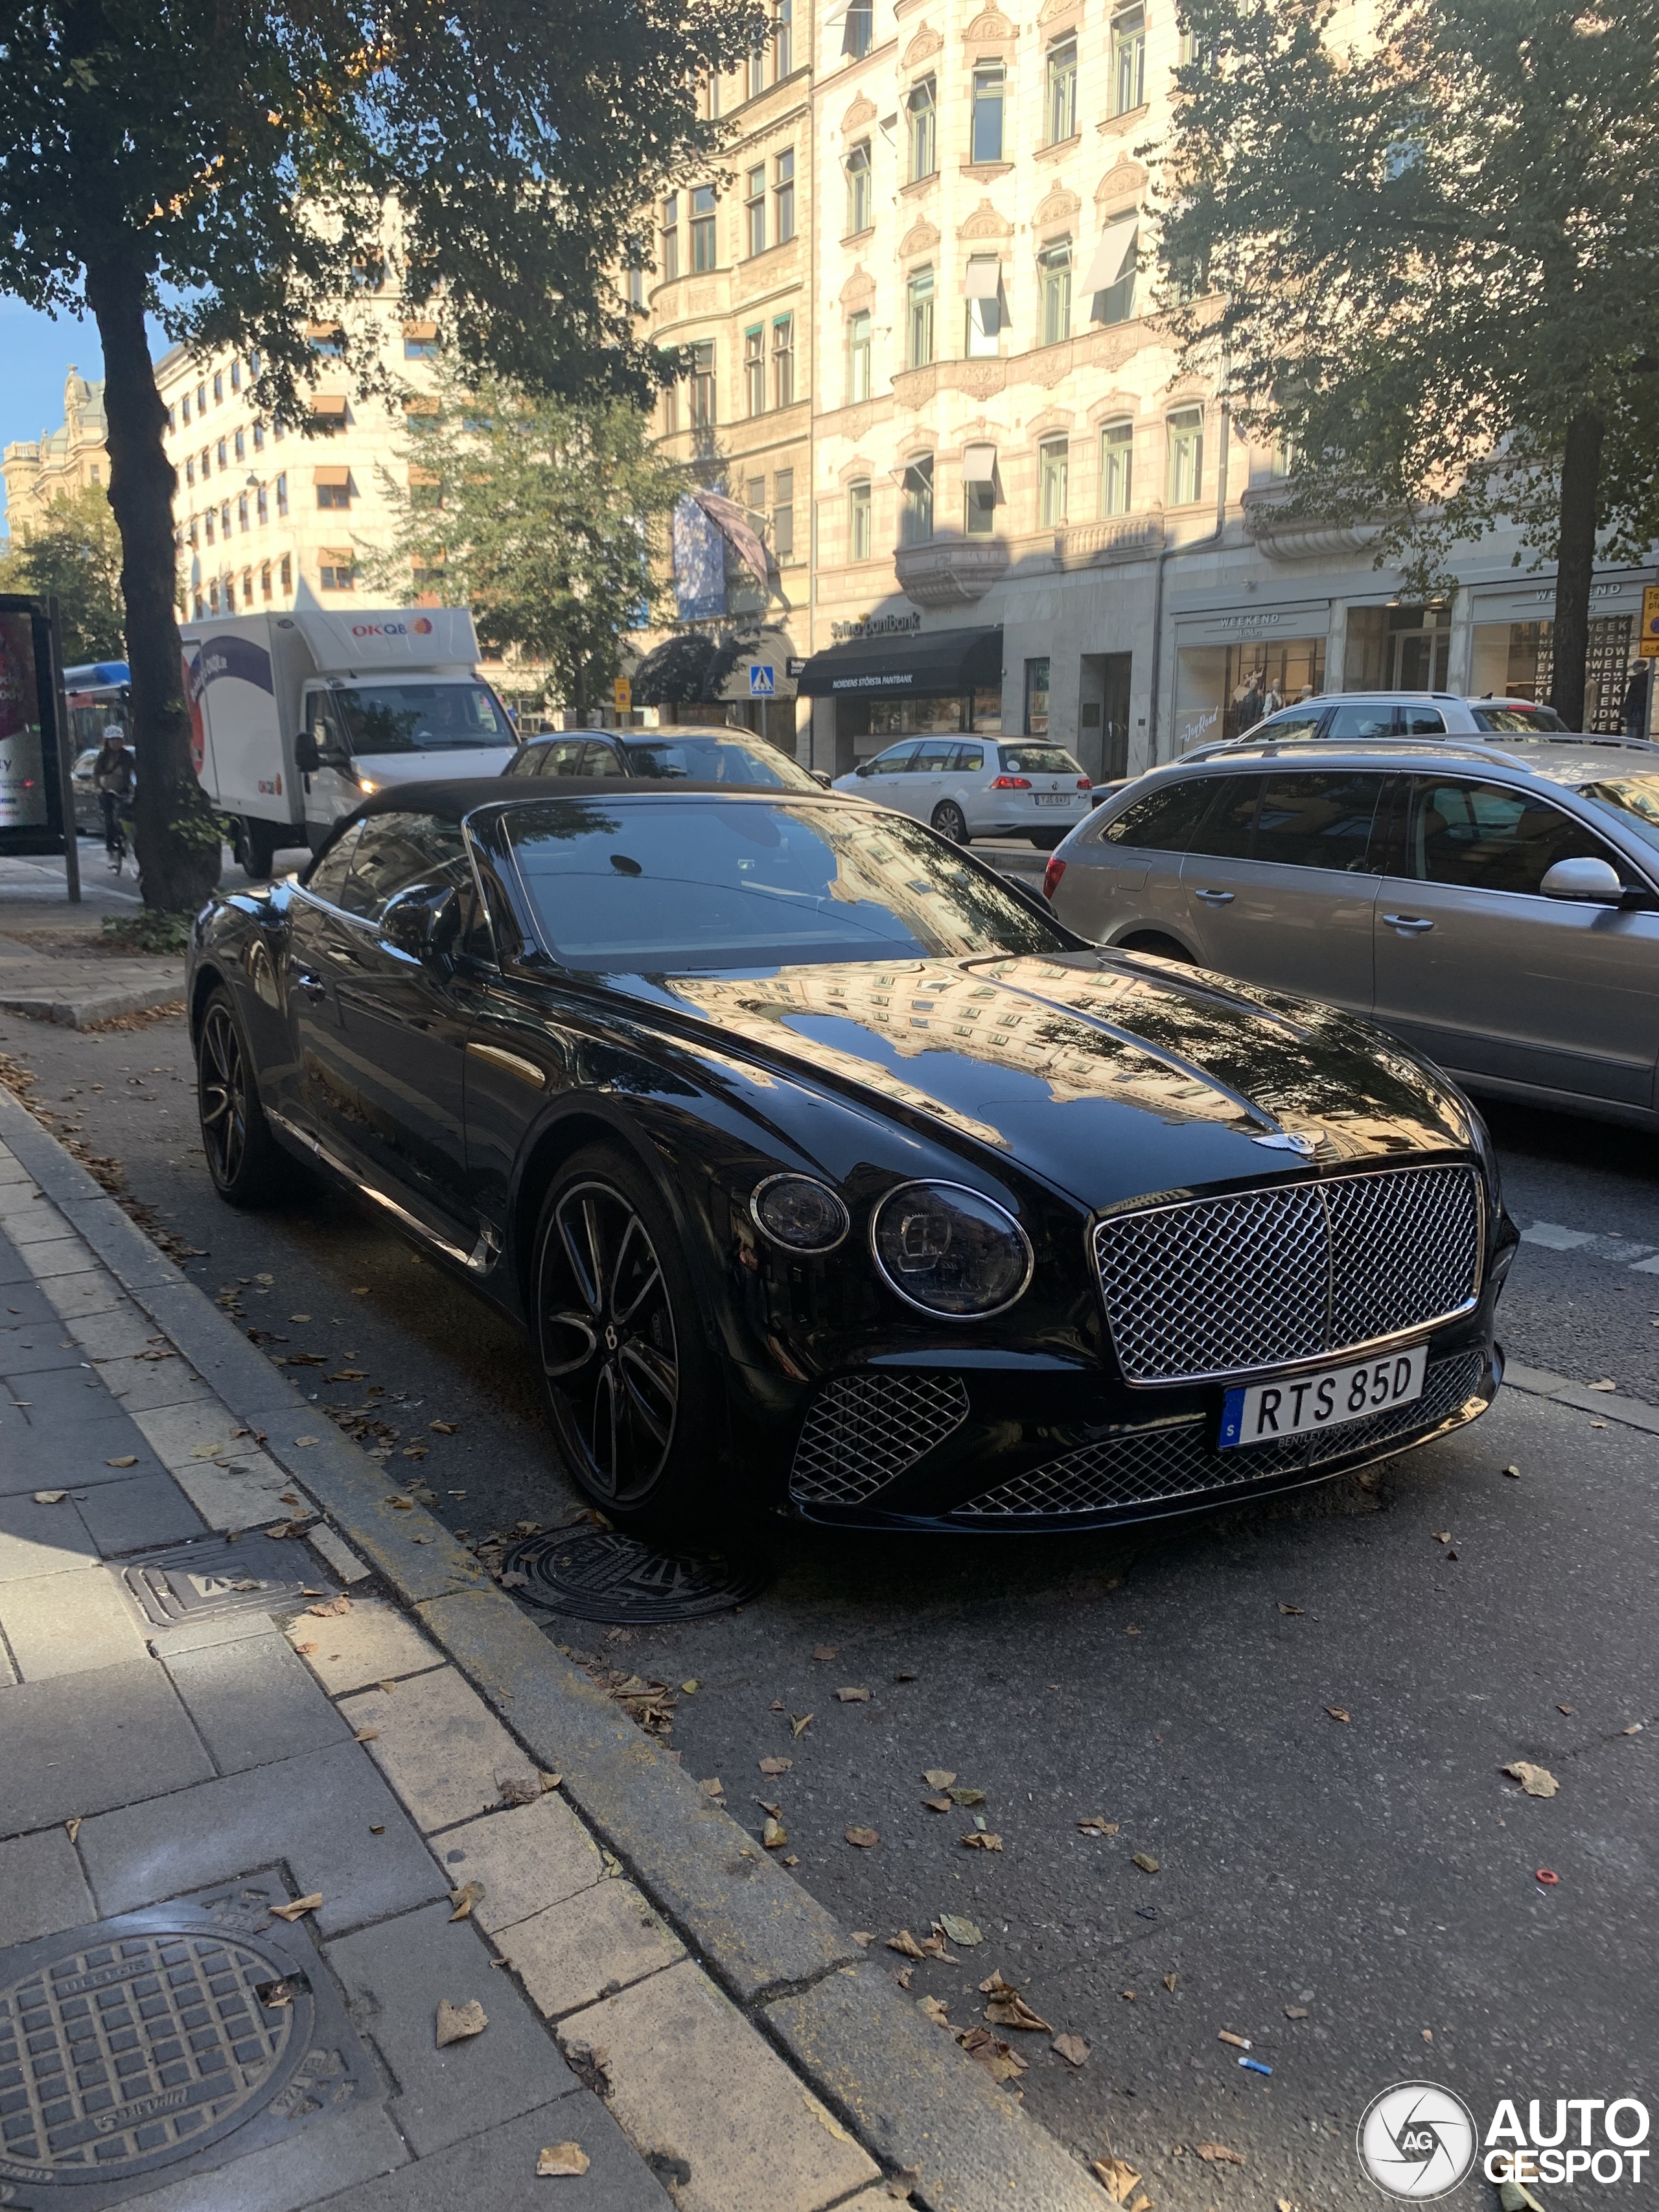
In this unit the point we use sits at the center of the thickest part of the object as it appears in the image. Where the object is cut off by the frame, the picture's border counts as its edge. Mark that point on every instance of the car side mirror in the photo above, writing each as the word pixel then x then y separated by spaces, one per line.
pixel 423 923
pixel 865 767
pixel 1591 882
pixel 306 758
pixel 818 775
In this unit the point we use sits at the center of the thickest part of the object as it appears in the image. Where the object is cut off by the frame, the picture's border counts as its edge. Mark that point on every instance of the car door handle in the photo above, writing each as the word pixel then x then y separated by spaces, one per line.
pixel 1409 925
pixel 312 986
pixel 1215 898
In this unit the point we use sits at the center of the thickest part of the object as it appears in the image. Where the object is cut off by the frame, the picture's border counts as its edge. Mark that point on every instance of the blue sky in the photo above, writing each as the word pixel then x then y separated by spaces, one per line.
pixel 35 353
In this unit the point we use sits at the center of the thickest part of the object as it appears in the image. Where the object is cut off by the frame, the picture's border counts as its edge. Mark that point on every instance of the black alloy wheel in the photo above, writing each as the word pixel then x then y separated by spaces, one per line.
pixel 950 822
pixel 620 1347
pixel 243 1157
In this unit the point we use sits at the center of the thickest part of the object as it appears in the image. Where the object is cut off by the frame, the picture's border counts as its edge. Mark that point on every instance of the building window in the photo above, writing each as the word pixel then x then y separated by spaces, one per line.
pixel 919 321
pixel 191 532
pixel 1115 302
pixel 1055 276
pixel 247 587
pixel 704 250
pixel 200 606
pixel 334 491
pixel 859 35
pixel 1185 457
pixel 239 448
pixel 184 407
pixel 420 342
pixel 783 515
pixel 201 399
pixel 755 74
pixel 858 356
pixel 754 208
pixel 916 510
pixel 1116 465
pixel 985 135
pixel 236 385
pixel 1053 463
pixel 783 361
pixel 783 196
pixel 671 409
pixel 259 437
pixel 264 580
pixel 253 364
pixel 172 418
pixel 1128 60
pixel 218 386
pixel 702 384
pixel 337 571
pixel 858 197
pixel 754 370
pixel 241 510
pixel 224 517
pixel 858 521
pixel 277 431
pixel 1060 106
pixel 783 44
pixel 213 597
pixel 287 572
pixel 224 458
pixel 635 289
pixel 921 119
pixel 984 306
pixel 1037 697
pixel 261 509
pixel 979 486
pixel 208 525
pixel 190 470
pixel 670 237
pixel 282 493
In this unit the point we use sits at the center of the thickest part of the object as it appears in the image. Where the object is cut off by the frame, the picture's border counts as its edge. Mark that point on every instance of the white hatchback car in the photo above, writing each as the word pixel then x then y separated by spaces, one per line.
pixel 968 787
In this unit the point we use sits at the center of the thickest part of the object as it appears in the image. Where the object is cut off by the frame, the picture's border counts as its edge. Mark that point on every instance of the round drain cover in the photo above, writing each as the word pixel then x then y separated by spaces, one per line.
pixel 131 2054
pixel 602 1575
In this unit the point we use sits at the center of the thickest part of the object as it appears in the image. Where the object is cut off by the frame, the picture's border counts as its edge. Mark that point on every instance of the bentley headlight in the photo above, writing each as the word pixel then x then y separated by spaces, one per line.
pixel 949 1251
pixel 795 1210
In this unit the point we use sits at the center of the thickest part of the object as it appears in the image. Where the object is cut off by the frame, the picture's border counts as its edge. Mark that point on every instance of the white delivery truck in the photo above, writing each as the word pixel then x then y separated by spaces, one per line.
pixel 295 718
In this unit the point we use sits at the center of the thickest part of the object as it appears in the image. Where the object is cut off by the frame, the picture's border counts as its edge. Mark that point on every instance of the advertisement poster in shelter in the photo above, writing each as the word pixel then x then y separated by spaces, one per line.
pixel 23 779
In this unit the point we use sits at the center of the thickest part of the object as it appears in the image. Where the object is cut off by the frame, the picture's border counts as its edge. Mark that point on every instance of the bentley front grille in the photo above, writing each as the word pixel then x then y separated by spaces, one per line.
pixel 1213 1287
pixel 1138 1466
pixel 864 1429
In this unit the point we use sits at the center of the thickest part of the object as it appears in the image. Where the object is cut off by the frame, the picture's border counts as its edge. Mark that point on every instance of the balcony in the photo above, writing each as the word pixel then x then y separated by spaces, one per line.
pixel 1116 538
pixel 951 571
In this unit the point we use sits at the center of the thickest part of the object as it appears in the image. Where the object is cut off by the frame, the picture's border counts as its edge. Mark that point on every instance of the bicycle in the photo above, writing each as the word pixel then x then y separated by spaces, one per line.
pixel 117 845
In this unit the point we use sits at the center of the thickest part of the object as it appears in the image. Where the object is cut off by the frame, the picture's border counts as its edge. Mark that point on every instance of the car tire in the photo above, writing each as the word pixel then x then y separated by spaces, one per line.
pixel 254 846
pixel 1150 940
pixel 950 822
pixel 249 1169
pixel 634 1401
pixel 1046 840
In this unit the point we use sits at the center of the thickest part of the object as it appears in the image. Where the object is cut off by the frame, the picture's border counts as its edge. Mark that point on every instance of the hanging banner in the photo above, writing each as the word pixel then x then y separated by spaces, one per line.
pixel 699 563
pixel 739 534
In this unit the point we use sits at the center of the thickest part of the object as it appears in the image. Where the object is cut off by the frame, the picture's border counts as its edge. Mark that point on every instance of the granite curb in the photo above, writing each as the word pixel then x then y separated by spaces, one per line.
pixel 901 2085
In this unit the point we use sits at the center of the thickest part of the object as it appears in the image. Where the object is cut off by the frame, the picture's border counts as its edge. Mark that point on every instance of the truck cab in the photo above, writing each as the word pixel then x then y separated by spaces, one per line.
pixel 360 733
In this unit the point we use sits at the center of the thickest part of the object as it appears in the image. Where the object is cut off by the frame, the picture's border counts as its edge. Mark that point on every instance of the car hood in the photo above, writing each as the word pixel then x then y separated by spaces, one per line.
pixel 1108 1076
pixel 383 769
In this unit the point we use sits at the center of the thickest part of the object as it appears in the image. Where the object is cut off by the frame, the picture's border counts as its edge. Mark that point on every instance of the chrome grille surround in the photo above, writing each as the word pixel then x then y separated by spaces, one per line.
pixel 863 1430
pixel 1210 1288
pixel 1138 1466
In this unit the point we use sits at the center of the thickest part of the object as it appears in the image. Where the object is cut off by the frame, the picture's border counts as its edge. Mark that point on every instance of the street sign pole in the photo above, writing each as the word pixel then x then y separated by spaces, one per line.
pixel 65 759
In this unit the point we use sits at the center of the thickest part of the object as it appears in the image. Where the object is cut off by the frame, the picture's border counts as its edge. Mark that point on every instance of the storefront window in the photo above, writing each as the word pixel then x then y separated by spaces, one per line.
pixel 1223 690
pixel 1037 697
pixel 870 725
pixel 1516 660
pixel 1397 649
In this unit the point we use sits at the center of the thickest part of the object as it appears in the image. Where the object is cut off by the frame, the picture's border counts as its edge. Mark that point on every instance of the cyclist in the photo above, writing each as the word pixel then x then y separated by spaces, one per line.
pixel 115 774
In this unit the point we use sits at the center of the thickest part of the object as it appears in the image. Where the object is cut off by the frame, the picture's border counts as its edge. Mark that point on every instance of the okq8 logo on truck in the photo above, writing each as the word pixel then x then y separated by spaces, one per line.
pixel 419 628
pixel 1419 2142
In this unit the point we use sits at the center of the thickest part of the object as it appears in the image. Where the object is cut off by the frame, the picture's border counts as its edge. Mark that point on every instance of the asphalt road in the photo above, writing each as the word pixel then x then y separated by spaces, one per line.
pixel 1375 1872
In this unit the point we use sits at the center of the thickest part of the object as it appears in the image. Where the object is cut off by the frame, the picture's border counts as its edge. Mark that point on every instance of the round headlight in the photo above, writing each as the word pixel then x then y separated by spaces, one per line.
pixel 949 1251
pixel 794 1210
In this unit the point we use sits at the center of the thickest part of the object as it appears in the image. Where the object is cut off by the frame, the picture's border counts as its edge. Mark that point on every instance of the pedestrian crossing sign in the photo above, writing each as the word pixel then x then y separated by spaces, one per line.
pixel 763 681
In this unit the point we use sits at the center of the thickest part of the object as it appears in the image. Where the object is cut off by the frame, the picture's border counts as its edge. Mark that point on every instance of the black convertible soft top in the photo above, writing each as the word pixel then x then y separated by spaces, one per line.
pixel 451 797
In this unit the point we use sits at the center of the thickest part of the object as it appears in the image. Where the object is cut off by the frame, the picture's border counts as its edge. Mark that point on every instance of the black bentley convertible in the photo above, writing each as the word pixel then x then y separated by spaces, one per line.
pixel 829 1175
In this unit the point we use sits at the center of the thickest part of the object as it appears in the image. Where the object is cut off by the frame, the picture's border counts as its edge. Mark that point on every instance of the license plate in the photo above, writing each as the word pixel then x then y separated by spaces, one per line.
pixel 1324 1399
pixel 1053 799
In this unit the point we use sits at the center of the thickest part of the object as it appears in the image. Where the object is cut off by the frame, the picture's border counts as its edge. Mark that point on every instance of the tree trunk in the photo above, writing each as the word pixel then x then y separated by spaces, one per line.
pixel 1581 487
pixel 176 835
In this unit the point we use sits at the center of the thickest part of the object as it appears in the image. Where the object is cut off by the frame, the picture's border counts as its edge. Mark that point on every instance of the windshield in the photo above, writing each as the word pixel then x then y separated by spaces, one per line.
pixel 1634 799
pixel 1519 721
pixel 655 886
pixel 717 758
pixel 1039 760
pixel 421 718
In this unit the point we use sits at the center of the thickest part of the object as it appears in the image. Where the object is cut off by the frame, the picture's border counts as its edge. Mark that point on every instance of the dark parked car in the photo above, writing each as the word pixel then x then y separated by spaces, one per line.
pixel 829 1174
pixel 666 756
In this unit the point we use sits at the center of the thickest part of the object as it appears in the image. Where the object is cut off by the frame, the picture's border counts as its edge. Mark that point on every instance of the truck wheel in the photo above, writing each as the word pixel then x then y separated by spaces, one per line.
pixel 256 845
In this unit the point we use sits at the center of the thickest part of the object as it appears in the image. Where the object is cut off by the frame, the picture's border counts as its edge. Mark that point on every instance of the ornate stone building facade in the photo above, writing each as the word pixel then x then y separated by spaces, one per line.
pixel 70 458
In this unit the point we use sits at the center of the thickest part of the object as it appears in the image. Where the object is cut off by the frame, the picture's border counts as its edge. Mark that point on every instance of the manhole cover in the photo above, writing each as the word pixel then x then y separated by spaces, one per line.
pixel 199 1581
pixel 601 1574
pixel 142 2042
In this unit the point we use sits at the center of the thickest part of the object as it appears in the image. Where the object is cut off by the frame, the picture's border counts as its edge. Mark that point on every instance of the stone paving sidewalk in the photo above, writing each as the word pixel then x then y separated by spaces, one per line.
pixel 54 962
pixel 174 1741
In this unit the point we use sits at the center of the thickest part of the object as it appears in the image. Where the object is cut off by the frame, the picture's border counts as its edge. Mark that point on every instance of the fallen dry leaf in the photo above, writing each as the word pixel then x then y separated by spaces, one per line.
pixel 1515 1471
pixel 1073 2049
pixel 567 2157
pixel 1146 1862
pixel 864 1937
pixel 1170 1983
pixel 364 1735
pixel 1606 1384
pixel 1295 2011
pixel 960 1931
pixel 50 1497
pixel 1119 2181
pixel 774 1835
pixel 1338 1713
pixel 72 1827
pixel 334 1605
pixel 465 1898
pixel 444 1428
pixel 713 1787
pixel 938 1778
pixel 298 1908
pixel 127 1459
pixel 1007 2007
pixel 960 1796
pixel 823 1650
pixel 934 2010
pixel 1214 2154
pixel 866 1839
pixel 1294 1610
pixel 798 1724
pixel 907 1945
pixel 691 1688
pixel 937 1804
pixel 388 1687
pixel 1536 1781
pixel 982 1840
pixel 1098 1824
pixel 1000 2060
pixel 904 1976
pixel 853 1696
pixel 456 2023
pixel 776 1765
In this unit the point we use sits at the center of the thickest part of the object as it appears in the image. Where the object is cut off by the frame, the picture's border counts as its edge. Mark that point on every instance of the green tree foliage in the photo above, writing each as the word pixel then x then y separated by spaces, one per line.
pixel 241 171
pixel 1432 270
pixel 540 515
pixel 74 550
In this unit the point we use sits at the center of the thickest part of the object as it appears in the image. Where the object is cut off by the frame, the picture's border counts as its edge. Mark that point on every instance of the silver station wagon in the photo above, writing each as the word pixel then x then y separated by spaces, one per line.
pixel 1497 906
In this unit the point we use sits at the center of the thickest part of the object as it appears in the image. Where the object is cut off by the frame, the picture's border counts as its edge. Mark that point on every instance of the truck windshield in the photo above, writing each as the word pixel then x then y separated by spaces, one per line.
pixel 421 718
